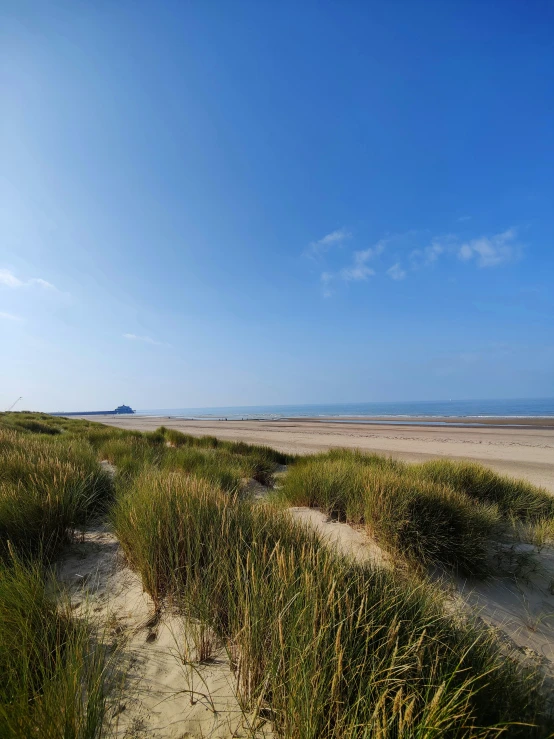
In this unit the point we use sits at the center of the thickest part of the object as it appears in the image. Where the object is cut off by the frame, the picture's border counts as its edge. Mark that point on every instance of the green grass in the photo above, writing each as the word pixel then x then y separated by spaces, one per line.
pixel 334 649
pixel 224 463
pixel 53 680
pixel 516 498
pixel 425 520
pixel 48 486
pixel 53 676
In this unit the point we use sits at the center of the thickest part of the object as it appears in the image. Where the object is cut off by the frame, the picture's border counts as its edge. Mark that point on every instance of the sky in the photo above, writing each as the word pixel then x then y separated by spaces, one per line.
pixel 214 203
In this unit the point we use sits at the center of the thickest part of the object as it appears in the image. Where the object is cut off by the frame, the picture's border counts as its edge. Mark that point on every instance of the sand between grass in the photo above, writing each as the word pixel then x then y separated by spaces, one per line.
pixel 254 607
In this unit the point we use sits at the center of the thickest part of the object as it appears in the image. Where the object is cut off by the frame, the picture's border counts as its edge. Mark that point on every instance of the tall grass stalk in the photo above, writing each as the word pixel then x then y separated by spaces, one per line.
pixel 54 677
pixel 48 486
pixel 425 520
pixel 334 649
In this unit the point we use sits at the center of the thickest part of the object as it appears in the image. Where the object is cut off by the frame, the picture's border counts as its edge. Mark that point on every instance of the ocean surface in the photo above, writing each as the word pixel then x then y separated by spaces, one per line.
pixel 519 408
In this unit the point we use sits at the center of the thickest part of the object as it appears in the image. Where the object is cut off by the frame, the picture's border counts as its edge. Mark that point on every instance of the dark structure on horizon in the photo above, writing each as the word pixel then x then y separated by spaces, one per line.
pixel 119 410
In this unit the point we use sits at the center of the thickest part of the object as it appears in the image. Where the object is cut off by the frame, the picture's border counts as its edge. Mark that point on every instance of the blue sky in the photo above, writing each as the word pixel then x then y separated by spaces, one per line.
pixel 231 203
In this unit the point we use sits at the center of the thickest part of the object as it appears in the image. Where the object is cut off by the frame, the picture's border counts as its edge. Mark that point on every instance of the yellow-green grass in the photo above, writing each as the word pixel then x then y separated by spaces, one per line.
pixel 517 498
pixel 53 676
pixel 334 649
pixel 426 521
pixel 48 486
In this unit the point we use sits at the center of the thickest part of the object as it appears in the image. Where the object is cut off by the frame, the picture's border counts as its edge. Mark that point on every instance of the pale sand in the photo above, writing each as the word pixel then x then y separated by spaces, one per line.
pixel 160 696
pixel 527 453
pixel 520 610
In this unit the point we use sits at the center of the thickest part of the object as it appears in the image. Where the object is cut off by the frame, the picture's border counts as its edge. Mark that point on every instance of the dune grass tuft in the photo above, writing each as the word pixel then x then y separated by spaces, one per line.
pixel 47 487
pixel 516 498
pixel 54 678
pixel 421 518
pixel 335 649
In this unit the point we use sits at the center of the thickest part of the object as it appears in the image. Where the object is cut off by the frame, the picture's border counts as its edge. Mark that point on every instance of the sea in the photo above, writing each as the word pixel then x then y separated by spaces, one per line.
pixel 431 409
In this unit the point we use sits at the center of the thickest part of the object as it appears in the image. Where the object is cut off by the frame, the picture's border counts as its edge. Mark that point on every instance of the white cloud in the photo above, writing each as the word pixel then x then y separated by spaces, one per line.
pixel 9 316
pixel 430 254
pixel 8 279
pixel 357 272
pixel 396 272
pixel 463 219
pixel 485 251
pixel 488 251
pixel 491 251
pixel 42 283
pixel 146 339
pixel 323 245
pixel 359 269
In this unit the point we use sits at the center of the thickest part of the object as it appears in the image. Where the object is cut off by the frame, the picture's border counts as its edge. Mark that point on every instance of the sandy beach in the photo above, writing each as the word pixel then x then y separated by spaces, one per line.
pixel 526 451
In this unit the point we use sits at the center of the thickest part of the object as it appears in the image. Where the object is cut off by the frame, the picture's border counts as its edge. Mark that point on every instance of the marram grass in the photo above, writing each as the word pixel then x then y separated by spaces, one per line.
pixel 48 486
pixel 328 648
pixel 332 648
pixel 437 513
pixel 54 677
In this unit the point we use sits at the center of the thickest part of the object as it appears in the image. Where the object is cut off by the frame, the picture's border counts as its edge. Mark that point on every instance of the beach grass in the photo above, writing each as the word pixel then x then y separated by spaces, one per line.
pixel 513 497
pixel 54 677
pixel 323 646
pixel 54 673
pixel 437 513
pixel 226 464
pixel 48 486
pixel 424 520
pixel 333 649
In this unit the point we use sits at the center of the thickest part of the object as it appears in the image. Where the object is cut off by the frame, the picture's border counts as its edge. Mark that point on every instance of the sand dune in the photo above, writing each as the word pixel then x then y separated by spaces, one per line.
pixel 521 452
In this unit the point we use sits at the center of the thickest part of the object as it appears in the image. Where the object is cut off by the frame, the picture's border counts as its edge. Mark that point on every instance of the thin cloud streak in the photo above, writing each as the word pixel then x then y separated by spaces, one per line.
pixel 8 279
pixel 145 339
pixel 10 316
pixel 335 238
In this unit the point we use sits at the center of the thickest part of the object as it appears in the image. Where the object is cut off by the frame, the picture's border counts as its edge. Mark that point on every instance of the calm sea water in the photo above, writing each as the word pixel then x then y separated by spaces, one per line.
pixel 537 407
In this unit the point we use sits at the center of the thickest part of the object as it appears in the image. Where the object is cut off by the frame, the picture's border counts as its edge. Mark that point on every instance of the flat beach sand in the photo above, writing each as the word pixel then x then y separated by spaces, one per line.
pixel 525 450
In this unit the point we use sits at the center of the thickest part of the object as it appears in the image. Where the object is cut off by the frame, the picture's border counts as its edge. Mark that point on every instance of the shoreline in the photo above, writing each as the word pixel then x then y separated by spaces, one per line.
pixel 525 452
pixel 537 422
pixel 510 422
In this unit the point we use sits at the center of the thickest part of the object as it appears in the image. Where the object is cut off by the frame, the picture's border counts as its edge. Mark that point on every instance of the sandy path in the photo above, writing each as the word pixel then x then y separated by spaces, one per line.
pixel 344 538
pixel 527 452
pixel 160 696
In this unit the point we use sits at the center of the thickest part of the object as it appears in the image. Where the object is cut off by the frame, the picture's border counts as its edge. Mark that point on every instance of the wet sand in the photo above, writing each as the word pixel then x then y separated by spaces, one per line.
pixel 526 452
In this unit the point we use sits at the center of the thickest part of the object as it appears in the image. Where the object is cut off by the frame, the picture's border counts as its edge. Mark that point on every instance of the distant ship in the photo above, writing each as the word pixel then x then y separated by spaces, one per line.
pixel 119 410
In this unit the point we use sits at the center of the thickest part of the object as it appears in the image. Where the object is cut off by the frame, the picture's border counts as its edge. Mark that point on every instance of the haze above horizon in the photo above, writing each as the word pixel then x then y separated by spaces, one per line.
pixel 228 204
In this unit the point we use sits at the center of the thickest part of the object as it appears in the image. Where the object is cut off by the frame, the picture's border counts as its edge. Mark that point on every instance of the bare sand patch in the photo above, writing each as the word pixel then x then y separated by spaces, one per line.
pixel 162 695
pixel 354 543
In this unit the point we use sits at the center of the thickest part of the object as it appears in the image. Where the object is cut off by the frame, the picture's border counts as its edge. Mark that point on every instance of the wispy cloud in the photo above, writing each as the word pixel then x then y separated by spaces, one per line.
pixel 484 251
pixel 359 269
pixel 326 280
pixel 430 253
pixel 491 251
pixel 9 317
pixel 8 279
pixel 145 339
pixel 335 238
pixel 463 219
pixel 396 272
